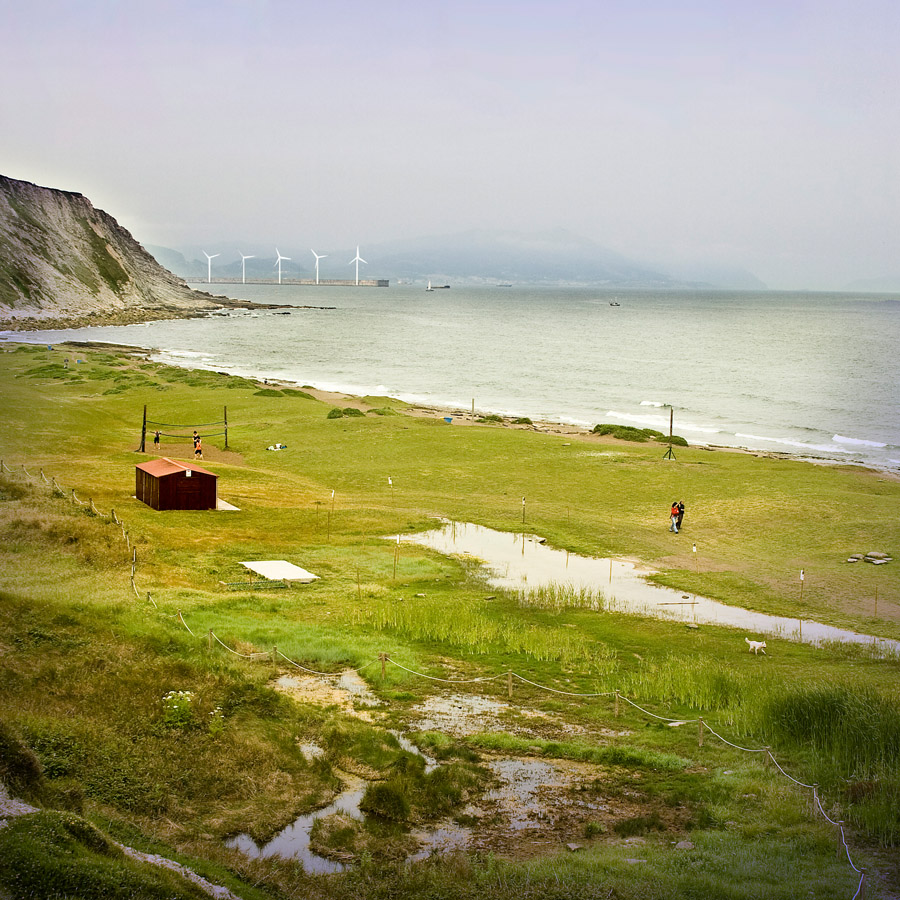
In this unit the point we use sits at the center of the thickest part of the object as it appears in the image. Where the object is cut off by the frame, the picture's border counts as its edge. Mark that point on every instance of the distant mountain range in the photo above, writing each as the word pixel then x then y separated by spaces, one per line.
pixel 475 257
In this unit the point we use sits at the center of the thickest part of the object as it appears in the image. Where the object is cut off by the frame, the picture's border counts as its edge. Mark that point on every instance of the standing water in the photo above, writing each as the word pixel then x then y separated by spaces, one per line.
pixel 522 562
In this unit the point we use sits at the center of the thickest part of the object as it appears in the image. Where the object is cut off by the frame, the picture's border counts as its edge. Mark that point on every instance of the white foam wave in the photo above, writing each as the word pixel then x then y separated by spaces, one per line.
pixel 856 442
pixel 787 442
pixel 651 403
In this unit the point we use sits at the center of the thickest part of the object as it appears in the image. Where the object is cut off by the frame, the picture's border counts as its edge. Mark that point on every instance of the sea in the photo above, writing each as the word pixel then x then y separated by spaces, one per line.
pixel 813 375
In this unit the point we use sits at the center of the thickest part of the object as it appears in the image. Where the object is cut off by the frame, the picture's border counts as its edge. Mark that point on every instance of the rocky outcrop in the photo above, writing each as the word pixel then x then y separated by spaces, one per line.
pixel 63 262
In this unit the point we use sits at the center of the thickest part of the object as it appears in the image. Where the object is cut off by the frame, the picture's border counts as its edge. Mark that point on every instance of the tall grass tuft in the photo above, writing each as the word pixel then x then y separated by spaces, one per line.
pixel 464 626
pixel 559 596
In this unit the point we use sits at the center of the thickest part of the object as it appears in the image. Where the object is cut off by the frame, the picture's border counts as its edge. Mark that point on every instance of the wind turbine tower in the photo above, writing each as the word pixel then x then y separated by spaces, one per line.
pixel 243 267
pixel 322 256
pixel 209 260
pixel 278 263
pixel 358 259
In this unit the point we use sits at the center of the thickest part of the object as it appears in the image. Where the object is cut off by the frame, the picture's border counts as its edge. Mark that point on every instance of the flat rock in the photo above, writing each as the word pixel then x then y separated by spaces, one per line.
pixel 684 845
pixel 574 848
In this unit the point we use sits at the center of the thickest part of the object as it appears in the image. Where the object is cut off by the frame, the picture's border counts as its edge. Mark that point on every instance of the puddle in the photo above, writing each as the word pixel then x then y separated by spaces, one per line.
pixel 293 841
pixel 532 806
pixel 522 562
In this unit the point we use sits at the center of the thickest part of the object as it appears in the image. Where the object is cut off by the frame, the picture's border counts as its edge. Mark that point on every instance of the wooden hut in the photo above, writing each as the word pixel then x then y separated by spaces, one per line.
pixel 167 484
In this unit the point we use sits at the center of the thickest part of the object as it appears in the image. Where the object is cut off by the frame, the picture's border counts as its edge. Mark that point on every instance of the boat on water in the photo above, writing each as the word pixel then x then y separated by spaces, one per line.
pixel 614 303
pixel 429 288
pixel 438 287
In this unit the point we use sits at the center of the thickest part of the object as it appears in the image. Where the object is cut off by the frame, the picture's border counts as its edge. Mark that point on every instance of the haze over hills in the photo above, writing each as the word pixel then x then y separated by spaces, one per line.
pixel 887 284
pixel 62 260
pixel 479 256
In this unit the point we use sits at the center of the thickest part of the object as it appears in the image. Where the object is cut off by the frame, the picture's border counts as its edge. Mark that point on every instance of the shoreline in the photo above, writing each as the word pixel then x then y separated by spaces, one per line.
pixel 460 416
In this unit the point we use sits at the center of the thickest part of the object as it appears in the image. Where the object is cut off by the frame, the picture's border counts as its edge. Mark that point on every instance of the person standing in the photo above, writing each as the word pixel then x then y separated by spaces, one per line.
pixel 673 515
pixel 680 515
pixel 198 449
pixel 156 440
pixel 196 438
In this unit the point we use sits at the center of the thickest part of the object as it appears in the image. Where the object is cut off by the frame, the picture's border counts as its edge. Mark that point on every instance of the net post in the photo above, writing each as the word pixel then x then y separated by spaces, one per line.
pixel 143 432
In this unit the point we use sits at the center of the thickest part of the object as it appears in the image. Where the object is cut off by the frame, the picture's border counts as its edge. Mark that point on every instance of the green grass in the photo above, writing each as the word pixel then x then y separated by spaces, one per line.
pixel 84 664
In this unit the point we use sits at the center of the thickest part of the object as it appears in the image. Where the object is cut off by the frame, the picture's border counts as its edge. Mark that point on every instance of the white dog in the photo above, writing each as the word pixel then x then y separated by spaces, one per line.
pixel 756 646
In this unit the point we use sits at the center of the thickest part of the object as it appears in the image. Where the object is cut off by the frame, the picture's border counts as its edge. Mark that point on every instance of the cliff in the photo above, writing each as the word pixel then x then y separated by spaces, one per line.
pixel 65 263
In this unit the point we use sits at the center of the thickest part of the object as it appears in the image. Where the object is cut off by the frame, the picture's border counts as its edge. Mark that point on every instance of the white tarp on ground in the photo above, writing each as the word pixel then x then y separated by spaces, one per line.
pixel 280 570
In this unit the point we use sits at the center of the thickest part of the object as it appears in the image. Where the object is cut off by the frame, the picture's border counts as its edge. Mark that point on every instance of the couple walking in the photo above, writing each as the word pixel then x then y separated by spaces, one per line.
pixel 676 514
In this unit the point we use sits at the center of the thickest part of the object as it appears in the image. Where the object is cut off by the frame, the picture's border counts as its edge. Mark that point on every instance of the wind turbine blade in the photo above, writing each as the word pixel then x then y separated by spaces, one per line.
pixel 361 260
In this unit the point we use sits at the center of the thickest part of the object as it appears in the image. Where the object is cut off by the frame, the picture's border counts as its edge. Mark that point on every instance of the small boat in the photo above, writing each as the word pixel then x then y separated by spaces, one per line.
pixel 614 303
pixel 429 288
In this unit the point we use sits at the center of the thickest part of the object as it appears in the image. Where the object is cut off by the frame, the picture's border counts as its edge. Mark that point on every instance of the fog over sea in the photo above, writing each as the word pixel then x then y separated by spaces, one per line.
pixel 814 375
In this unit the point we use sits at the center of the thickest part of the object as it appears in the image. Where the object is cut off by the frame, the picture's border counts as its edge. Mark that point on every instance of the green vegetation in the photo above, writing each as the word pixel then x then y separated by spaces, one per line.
pixel 640 435
pixel 87 661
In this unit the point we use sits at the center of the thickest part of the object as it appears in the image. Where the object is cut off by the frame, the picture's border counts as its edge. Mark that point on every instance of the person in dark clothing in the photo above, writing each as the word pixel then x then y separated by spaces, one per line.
pixel 680 515
pixel 156 440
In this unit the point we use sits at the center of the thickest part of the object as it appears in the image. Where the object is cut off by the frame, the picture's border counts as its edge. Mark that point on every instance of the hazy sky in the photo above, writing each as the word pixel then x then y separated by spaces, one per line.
pixel 764 134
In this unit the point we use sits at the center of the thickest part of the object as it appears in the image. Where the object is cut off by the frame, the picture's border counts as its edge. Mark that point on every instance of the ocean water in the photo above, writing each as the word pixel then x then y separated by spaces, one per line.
pixel 815 375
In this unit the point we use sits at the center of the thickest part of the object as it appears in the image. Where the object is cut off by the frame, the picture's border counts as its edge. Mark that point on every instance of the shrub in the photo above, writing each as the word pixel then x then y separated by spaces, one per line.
pixel 352 411
pixel 335 414
pixel 267 392
pixel 522 420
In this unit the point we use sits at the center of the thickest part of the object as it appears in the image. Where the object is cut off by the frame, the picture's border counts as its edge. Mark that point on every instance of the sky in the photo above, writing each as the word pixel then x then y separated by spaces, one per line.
pixel 762 134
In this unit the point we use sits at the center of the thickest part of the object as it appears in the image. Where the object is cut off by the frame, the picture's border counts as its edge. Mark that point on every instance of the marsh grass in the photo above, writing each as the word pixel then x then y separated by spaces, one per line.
pixel 559 596
pixel 467 627
pixel 613 754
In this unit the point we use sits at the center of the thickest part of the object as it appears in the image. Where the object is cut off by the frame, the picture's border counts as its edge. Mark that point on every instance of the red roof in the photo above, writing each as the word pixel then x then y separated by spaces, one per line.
pixel 165 466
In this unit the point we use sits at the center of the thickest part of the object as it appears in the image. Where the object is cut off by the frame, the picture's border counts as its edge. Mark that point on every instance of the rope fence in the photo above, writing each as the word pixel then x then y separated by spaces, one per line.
pixel 843 848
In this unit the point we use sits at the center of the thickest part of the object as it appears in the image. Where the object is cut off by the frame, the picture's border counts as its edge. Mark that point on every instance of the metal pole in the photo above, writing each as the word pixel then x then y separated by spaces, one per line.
pixel 226 426
pixel 143 431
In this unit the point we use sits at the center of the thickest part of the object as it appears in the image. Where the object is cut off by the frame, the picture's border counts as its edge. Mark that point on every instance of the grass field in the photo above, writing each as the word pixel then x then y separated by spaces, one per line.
pixel 85 659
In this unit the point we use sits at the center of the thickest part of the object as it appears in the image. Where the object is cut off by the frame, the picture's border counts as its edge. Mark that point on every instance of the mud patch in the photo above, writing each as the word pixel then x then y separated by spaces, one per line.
pixel 458 715
pixel 348 691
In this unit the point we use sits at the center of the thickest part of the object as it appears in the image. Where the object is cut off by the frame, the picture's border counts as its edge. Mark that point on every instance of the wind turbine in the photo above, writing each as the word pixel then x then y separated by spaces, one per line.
pixel 244 267
pixel 322 256
pixel 209 260
pixel 358 259
pixel 278 263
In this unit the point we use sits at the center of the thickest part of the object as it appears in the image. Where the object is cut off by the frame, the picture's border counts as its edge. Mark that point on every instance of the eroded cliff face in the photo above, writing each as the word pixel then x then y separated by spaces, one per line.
pixel 64 262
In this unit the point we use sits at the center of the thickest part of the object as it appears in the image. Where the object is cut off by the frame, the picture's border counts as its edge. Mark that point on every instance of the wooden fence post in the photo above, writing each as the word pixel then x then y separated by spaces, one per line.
pixel 617 704
pixel 700 731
